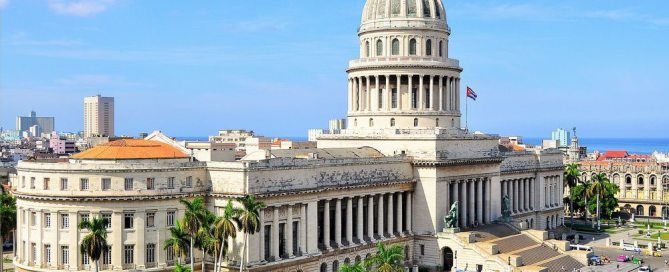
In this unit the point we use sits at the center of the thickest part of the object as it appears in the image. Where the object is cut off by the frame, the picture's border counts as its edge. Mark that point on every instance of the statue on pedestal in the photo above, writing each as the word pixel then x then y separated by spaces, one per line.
pixel 451 219
pixel 506 207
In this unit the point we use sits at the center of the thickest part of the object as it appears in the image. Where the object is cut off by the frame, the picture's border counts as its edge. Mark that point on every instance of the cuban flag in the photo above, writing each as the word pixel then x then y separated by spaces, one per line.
pixel 471 94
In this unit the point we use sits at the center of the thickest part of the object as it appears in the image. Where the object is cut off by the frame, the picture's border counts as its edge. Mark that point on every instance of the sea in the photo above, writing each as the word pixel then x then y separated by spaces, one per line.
pixel 631 145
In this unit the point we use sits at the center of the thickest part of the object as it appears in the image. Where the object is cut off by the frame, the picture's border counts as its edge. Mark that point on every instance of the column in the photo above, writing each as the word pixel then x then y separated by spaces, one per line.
pixel 521 194
pixel 391 219
pixel 369 95
pixel 530 183
pixel 463 201
pixel 350 97
pixel 409 209
pixel 421 94
pixel 489 197
pixel 441 93
pixel 379 226
pixel 360 94
pixel 289 231
pixel 73 241
pixel 116 239
pixel 513 196
pixel 479 201
pixel 140 250
pixel 349 221
pixel 471 188
pixel 399 92
pixel 370 217
pixel 527 194
pixel 388 94
pixel 378 85
pixel 326 222
pixel 338 222
pixel 400 208
pixel 449 96
pixel 503 188
pixel 261 235
pixel 431 90
pixel 275 233
pixel 410 91
pixel 456 198
pixel 361 218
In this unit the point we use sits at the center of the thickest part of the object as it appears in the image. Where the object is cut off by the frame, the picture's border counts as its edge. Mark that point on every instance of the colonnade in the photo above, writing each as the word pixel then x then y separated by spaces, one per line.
pixel 520 192
pixel 553 191
pixel 473 195
pixel 286 234
pixel 379 93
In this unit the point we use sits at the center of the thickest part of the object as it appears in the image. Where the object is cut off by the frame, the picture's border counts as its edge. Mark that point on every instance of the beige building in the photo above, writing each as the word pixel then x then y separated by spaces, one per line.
pixel 98 116
pixel 390 176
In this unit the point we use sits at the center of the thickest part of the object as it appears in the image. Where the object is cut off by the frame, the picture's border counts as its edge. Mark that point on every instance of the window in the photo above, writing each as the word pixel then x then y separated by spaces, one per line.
pixel 85 217
pixel 428 48
pixel 47 254
pixel 169 253
pixel 64 221
pixel 151 253
pixel 106 255
pixel 83 184
pixel 441 48
pixel 128 254
pixel 170 183
pixel 392 122
pixel 427 98
pixel 414 98
pixel 371 122
pixel 380 98
pixel 33 252
pixel 422 250
pixel 128 184
pixel 415 122
pixel 108 217
pixel 150 183
pixel 46 183
pixel 128 219
pixel 412 47
pixel 396 47
pixel 170 218
pixel 437 123
pixel 63 184
pixel 150 219
pixel 85 260
pixel 32 183
pixel 23 182
pixel 379 48
pixel 64 254
pixel 189 181
pixel 33 218
pixel 367 49
pixel 47 220
pixel 106 184
pixel 393 98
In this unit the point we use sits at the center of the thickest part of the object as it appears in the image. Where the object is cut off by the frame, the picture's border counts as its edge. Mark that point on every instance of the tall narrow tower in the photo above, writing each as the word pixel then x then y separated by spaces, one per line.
pixel 98 116
pixel 404 77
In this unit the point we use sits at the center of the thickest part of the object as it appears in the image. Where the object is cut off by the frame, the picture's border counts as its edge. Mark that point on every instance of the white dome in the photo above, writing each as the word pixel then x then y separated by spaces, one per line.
pixel 379 14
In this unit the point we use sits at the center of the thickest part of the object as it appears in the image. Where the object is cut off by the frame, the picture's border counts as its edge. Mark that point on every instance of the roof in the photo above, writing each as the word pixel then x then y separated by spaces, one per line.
pixel 131 149
pixel 318 153
pixel 613 154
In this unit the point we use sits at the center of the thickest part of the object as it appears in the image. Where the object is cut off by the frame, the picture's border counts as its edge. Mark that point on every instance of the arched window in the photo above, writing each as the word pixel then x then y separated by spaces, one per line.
pixel 392 122
pixel 347 261
pixel 412 47
pixel 639 210
pixel 415 122
pixel 335 266
pixel 324 267
pixel 379 48
pixel 371 122
pixel 652 180
pixel 441 48
pixel 640 180
pixel 628 180
pixel 358 259
pixel 652 211
pixel 367 53
pixel 396 47
pixel 428 48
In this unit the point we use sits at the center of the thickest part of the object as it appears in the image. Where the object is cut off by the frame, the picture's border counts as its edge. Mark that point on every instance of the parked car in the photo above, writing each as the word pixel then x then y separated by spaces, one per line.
pixel 631 248
pixel 595 260
pixel 645 269
pixel 622 258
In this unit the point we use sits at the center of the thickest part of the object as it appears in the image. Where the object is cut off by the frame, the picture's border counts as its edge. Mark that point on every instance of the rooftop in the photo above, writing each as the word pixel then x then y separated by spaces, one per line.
pixel 131 149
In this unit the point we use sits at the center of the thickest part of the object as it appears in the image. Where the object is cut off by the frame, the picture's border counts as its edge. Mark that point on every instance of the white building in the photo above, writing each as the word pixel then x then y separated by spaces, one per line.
pixel 98 116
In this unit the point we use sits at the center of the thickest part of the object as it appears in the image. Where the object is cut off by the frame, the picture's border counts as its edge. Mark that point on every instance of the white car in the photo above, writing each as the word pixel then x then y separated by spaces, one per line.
pixel 644 269
pixel 631 248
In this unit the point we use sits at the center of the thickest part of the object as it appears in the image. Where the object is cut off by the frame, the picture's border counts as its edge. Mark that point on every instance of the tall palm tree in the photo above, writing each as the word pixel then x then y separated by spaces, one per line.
pixel 356 267
pixel 178 241
pixel 225 228
pixel 192 220
pixel 7 218
pixel 205 238
pixel 597 188
pixel 249 220
pixel 95 242
pixel 571 174
pixel 386 259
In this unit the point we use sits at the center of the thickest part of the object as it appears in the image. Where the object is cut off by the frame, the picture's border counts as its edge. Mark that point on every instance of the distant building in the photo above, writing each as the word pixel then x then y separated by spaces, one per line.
pixel 245 140
pixel 98 116
pixel 61 144
pixel 35 131
pixel 562 136
pixel 45 124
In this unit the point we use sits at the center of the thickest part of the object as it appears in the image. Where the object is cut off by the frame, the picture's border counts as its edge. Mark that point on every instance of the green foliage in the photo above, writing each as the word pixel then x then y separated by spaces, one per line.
pixel 95 242
pixel 386 259
pixel 249 217
pixel 7 213
pixel 179 240
pixel 571 175
pixel 608 201
pixel 356 267
pixel 181 268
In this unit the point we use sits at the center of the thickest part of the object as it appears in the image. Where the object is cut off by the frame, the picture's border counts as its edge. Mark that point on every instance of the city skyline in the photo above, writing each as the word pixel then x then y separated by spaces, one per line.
pixel 237 68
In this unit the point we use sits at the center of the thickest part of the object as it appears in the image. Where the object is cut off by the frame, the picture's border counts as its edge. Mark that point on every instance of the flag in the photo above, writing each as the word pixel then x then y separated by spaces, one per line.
pixel 471 94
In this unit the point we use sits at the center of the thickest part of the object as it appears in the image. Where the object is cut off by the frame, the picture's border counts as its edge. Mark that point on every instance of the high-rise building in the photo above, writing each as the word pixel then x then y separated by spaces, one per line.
pixel 98 116
pixel 561 135
pixel 45 124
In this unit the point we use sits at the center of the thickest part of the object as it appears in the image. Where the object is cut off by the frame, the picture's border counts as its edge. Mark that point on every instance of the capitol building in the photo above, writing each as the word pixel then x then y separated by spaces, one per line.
pixel 390 176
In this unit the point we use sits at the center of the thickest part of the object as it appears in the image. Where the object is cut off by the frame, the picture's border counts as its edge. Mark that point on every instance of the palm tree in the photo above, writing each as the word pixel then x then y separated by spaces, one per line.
pixel 225 228
pixel 206 240
pixel 7 218
pixel 597 188
pixel 386 259
pixel 249 220
pixel 178 241
pixel 192 220
pixel 571 174
pixel 181 268
pixel 95 242
pixel 356 267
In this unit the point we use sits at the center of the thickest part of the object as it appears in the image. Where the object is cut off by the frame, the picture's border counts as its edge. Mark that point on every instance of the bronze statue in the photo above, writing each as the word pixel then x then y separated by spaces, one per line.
pixel 451 220
pixel 506 207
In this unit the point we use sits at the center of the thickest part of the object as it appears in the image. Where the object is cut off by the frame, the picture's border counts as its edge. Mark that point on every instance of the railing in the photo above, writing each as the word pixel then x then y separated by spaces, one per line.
pixel 404 60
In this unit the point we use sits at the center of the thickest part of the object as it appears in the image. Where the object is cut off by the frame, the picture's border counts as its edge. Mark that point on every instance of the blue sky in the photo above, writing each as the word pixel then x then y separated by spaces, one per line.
pixel 190 68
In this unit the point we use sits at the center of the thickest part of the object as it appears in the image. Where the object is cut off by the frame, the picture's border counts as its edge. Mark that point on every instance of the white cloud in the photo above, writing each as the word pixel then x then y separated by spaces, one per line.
pixel 80 7
pixel 3 3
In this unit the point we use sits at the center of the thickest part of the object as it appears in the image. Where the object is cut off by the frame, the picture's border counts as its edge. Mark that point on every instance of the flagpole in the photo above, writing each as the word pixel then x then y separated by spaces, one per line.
pixel 466 113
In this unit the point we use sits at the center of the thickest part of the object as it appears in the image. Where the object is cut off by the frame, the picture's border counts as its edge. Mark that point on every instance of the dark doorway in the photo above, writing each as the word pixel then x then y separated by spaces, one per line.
pixel 448 258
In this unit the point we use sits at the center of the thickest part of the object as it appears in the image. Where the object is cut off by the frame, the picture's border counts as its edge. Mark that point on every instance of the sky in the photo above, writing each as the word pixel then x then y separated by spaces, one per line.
pixel 190 68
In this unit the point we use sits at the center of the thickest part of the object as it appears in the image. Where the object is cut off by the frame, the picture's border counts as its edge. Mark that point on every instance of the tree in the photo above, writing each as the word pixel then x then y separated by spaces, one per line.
pixel 7 218
pixel 356 267
pixel 178 241
pixel 571 174
pixel 192 220
pixel 249 220
pixel 597 189
pixel 386 259
pixel 225 228
pixel 95 242
pixel 205 239
pixel 607 204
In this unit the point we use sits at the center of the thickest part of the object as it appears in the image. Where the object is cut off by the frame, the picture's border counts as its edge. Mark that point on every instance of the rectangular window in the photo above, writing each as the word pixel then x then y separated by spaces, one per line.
pixel 170 183
pixel 47 220
pixel 64 221
pixel 33 252
pixel 47 254
pixel 63 184
pixel 84 259
pixel 150 219
pixel 106 184
pixel 32 183
pixel 189 181
pixel 170 218
pixel 380 99
pixel 33 219
pixel 128 254
pixel 128 184
pixel 84 217
pixel 427 98
pixel 169 253
pixel 150 183
pixel 65 254
pixel 106 255
pixel 393 98
pixel 414 98
pixel 23 182
pixel 46 183
pixel 151 253
pixel 108 217
pixel 128 219
pixel 83 184
pixel 422 250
